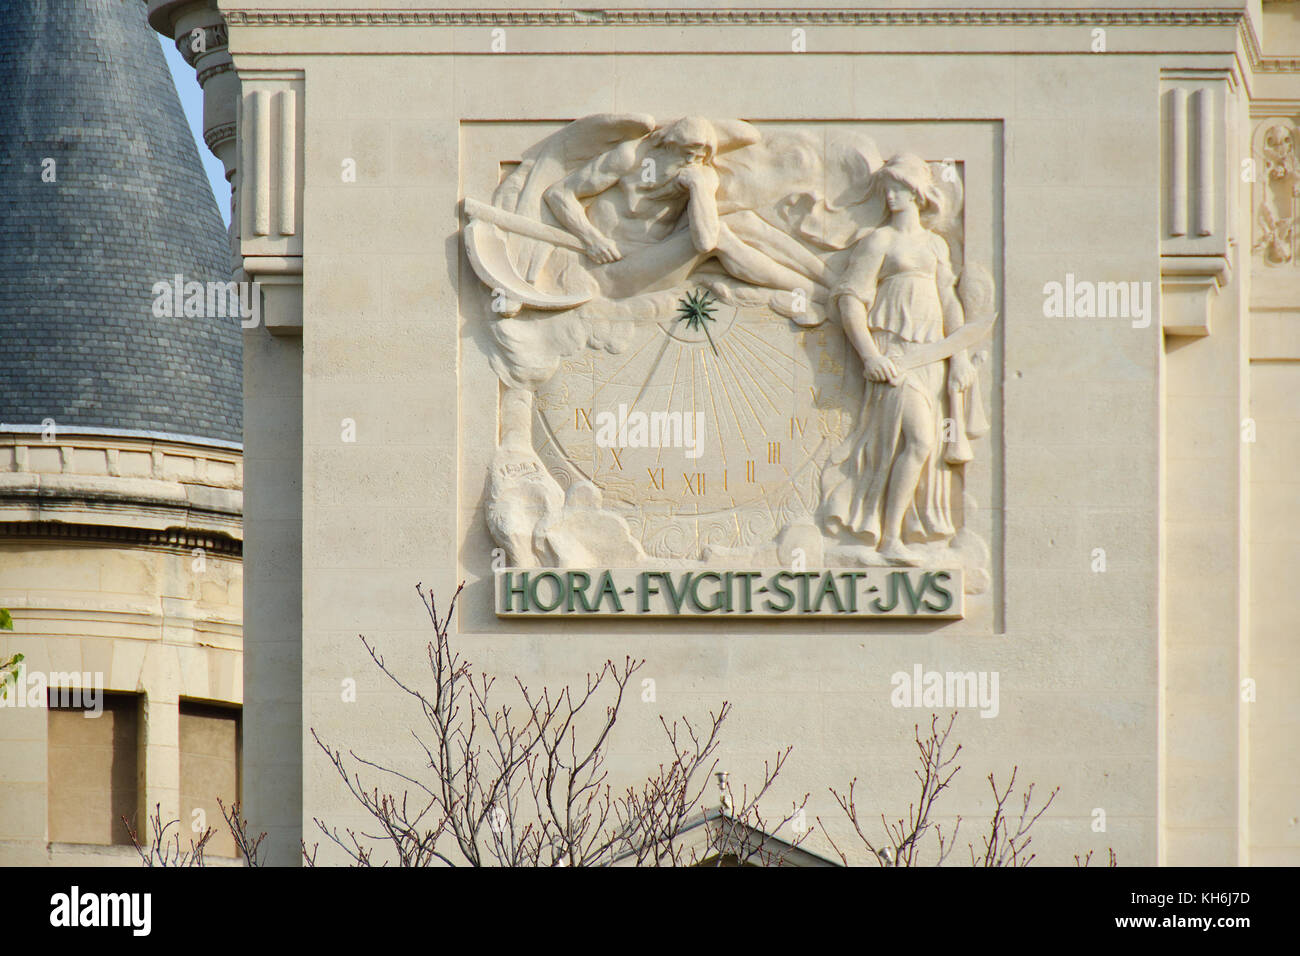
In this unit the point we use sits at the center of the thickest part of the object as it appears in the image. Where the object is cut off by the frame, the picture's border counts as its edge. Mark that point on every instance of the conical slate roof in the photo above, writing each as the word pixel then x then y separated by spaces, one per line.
pixel 85 83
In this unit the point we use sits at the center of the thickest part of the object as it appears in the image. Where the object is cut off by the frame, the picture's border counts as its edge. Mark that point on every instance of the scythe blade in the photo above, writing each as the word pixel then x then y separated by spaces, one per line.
pixel 485 244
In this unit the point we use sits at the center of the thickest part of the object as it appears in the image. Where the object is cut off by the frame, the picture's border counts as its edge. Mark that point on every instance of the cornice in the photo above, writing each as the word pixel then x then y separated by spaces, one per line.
pixel 739 17
pixel 208 72
pixel 1177 17
pixel 15 434
pixel 1277 64
pixel 215 37
pixel 171 539
pixel 218 134
pixel 114 481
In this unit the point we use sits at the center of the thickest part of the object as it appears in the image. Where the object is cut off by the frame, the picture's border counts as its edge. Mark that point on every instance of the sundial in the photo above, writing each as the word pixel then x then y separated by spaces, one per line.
pixel 772 397
pixel 729 360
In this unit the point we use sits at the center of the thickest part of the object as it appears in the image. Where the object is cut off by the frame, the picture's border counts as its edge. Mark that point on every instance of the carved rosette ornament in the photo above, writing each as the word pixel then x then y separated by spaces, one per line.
pixel 726 349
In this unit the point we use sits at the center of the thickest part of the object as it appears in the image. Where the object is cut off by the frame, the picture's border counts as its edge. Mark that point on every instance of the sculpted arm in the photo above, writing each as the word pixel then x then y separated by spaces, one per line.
pixel 564 199
pixel 954 317
pixel 961 373
pixel 854 296
pixel 701 183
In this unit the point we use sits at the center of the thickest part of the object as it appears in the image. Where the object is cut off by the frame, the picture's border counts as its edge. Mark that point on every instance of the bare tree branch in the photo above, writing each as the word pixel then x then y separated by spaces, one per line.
pixel 527 784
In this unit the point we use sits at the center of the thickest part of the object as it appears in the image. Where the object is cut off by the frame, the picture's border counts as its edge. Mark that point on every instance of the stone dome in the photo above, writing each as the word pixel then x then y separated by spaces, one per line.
pixel 85 84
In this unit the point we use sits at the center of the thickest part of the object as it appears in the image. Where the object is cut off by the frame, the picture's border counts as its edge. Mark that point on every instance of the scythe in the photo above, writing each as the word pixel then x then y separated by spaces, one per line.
pixel 485 242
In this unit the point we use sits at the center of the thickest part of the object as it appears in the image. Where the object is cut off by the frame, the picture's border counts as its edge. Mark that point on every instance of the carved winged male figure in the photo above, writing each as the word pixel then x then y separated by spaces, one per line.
pixel 644 213
pixel 643 191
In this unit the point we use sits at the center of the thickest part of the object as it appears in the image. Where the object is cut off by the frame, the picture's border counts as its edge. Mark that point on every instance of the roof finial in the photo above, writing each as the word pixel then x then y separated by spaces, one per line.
pixel 724 790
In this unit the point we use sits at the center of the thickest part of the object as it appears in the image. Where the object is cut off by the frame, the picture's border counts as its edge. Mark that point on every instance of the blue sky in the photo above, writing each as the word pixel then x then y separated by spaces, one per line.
pixel 192 102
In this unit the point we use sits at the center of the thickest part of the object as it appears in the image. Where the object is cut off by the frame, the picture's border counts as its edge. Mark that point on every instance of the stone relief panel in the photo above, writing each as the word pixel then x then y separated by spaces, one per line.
pixel 1277 191
pixel 724 347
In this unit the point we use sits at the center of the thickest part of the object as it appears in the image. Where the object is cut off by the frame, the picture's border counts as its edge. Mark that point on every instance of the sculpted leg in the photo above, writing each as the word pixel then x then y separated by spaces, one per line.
pixel 916 444
pixel 750 265
pixel 754 231
pixel 665 264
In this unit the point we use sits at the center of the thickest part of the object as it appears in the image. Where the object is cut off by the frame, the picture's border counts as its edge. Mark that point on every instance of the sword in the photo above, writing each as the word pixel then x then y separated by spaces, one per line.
pixel 972 333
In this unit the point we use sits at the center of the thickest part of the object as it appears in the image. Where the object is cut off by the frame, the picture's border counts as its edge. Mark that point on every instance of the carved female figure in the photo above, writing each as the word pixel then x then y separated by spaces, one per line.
pixel 897 293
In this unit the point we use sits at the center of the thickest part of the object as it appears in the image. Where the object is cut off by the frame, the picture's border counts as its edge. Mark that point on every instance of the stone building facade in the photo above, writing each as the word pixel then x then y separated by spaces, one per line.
pixel 460 263
pixel 120 447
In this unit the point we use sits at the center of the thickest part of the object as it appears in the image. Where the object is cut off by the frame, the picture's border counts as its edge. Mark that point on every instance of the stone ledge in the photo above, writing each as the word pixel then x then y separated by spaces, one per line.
pixel 179 538
pixel 141 503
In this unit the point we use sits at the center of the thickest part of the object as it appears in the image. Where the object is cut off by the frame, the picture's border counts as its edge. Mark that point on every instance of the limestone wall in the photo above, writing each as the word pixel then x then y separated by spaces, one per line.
pixel 1114 490
pixel 127 575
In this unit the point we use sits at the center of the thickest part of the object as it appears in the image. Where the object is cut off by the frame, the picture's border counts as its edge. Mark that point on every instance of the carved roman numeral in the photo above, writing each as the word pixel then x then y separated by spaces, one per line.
pixel 749 471
pixel 581 420
pixel 618 461
pixel 694 483
pixel 774 453
pixel 797 424
pixel 656 478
